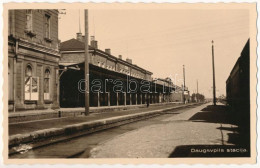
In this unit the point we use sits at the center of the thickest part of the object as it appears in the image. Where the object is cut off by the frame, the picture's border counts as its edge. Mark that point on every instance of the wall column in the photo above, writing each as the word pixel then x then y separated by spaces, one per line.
pixel 40 73
pixel 136 99
pixel 141 98
pixel 19 84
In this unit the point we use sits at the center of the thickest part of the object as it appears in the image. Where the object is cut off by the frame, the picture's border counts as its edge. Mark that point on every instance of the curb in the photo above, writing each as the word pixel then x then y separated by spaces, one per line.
pixel 36 138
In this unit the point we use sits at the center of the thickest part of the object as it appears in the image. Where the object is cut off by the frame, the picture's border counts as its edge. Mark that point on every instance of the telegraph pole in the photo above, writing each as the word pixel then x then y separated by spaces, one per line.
pixel 197 91
pixel 213 68
pixel 86 65
pixel 183 83
pixel 197 86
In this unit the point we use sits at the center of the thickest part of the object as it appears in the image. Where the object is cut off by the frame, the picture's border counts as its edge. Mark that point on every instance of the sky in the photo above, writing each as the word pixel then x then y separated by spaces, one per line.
pixel 162 41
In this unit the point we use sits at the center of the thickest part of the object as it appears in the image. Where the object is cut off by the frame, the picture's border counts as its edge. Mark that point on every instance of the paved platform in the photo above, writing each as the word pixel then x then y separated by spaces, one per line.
pixel 30 126
pixel 43 130
pixel 203 131
pixel 30 115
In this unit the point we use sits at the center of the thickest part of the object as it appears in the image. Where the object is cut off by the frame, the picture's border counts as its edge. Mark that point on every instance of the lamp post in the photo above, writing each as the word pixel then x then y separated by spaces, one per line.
pixel 213 69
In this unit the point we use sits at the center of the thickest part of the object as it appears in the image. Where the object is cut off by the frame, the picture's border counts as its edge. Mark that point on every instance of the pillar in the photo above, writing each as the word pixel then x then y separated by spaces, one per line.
pixel 98 98
pixel 117 101
pixel 141 98
pixel 108 98
pixel 125 99
pixel 136 98
pixel 130 98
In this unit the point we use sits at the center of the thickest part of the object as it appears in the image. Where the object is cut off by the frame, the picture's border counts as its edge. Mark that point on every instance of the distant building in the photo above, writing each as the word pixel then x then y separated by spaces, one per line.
pixel 33 56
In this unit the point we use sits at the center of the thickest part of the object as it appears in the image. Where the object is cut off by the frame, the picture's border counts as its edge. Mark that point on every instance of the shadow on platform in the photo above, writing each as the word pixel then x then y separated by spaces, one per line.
pixel 217 114
pixel 212 114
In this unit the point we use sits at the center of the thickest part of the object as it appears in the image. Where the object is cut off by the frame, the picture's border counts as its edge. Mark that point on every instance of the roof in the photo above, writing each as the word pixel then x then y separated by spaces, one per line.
pixel 76 45
pixel 72 45
pixel 245 51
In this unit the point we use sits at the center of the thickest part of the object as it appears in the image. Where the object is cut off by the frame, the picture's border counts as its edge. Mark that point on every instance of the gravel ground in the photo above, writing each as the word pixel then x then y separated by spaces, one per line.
pixel 160 140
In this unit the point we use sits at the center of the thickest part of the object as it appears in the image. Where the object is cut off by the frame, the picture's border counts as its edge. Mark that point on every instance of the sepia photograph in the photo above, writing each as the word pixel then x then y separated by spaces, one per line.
pixel 130 81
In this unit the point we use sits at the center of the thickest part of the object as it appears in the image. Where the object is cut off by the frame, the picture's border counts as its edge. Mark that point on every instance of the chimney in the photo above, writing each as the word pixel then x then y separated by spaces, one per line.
pixel 129 60
pixel 79 36
pixel 107 50
pixel 93 42
pixel 120 56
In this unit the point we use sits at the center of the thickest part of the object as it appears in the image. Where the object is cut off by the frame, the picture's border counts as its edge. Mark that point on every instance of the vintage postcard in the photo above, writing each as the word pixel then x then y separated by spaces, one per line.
pixel 130 83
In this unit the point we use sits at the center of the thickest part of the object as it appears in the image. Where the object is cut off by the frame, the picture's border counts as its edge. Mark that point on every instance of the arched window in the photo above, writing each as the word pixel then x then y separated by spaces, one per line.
pixel 31 84
pixel 47 75
pixel 28 71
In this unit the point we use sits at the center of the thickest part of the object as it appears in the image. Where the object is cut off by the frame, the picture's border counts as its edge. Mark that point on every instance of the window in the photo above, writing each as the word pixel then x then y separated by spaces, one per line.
pixel 47 84
pixel 47 26
pixel 29 24
pixel 31 85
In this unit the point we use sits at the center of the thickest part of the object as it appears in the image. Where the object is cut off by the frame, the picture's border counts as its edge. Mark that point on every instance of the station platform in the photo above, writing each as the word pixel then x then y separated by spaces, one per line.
pixel 31 115
pixel 41 132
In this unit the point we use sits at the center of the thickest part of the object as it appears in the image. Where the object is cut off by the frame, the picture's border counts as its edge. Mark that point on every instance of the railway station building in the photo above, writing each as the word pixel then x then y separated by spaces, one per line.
pixel 106 70
pixel 46 74
pixel 33 59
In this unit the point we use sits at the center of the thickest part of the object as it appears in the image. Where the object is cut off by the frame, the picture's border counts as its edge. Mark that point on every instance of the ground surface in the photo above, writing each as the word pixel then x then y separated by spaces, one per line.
pixel 192 127
pixel 25 127
pixel 170 135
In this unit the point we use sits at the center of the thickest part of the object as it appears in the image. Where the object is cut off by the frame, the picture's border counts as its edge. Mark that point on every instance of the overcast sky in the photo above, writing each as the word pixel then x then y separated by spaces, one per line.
pixel 161 41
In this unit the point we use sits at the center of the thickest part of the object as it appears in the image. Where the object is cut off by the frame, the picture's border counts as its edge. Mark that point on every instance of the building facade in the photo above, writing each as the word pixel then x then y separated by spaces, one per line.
pixel 33 56
pixel 107 69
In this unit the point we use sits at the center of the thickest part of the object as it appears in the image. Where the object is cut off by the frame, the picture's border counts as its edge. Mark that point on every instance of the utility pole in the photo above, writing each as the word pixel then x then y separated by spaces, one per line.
pixel 213 68
pixel 197 86
pixel 86 65
pixel 183 84
pixel 197 91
